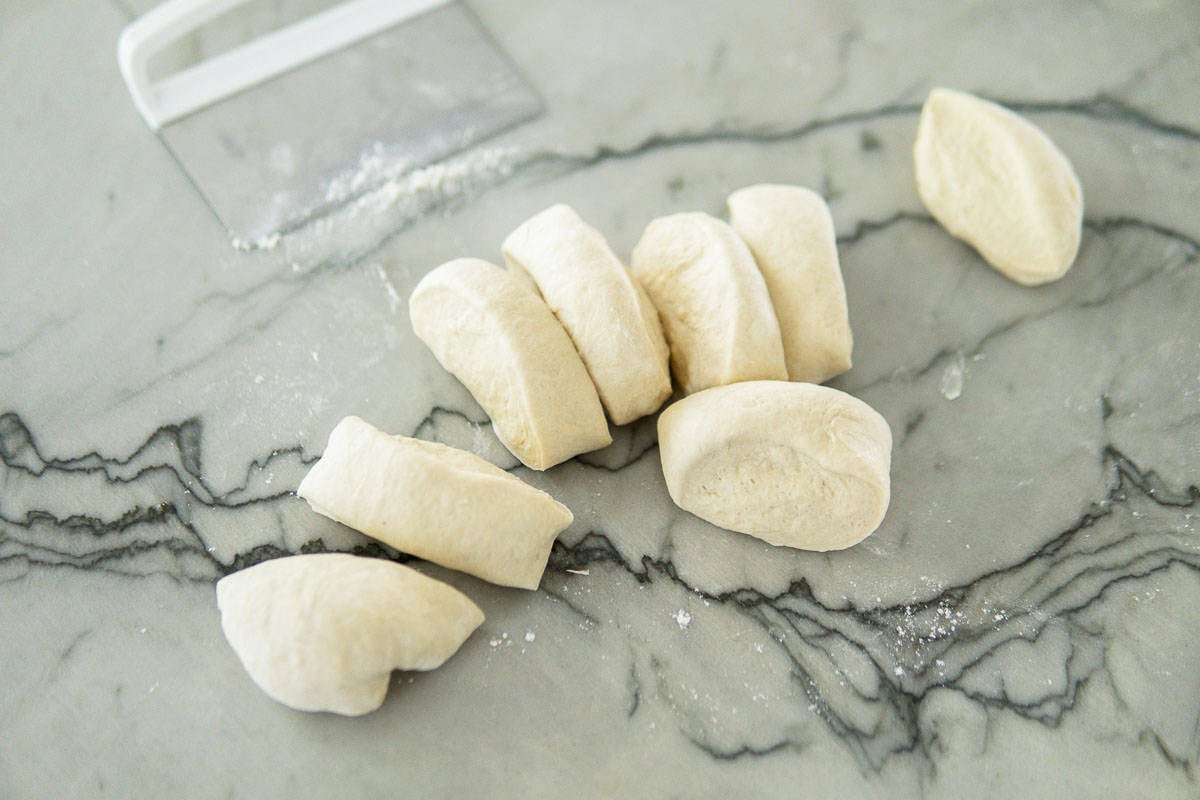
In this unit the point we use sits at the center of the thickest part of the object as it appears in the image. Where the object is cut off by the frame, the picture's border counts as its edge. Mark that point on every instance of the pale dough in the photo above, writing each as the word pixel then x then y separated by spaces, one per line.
pixel 790 232
pixel 602 307
pixel 712 300
pixel 323 632
pixel 502 341
pixel 794 464
pixel 994 180
pixel 444 505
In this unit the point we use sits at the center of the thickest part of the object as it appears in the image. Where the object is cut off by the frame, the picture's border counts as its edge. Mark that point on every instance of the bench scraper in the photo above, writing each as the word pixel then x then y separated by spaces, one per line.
pixel 293 123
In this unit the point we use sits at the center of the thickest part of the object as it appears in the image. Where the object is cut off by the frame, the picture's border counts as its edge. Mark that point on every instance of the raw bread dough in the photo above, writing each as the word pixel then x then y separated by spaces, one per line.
pixel 714 305
pixel 444 505
pixel 794 464
pixel 323 632
pixel 604 310
pixel 997 182
pixel 502 341
pixel 790 232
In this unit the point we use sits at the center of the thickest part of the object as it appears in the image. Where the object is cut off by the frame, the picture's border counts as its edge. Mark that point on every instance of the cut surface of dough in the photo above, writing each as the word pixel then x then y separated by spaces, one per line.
pixel 996 181
pixel 500 339
pixel 441 504
pixel 323 632
pixel 790 232
pixel 794 464
pixel 602 307
pixel 712 300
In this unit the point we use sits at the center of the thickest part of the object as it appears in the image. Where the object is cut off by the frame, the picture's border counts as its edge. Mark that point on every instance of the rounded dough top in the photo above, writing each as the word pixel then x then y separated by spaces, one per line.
pixel 995 180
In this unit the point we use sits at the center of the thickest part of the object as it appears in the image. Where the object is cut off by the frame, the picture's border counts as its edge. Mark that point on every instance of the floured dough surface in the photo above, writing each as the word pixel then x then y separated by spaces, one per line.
pixel 712 300
pixel 441 504
pixel 500 339
pixel 603 308
pixel 794 464
pixel 994 180
pixel 323 632
pixel 790 232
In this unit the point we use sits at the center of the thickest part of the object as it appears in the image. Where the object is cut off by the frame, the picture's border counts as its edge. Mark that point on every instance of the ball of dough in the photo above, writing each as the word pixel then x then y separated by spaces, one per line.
pixel 793 464
pixel 712 300
pixel 994 180
pixel 323 632
pixel 602 307
pixel 790 232
pixel 441 504
pixel 500 339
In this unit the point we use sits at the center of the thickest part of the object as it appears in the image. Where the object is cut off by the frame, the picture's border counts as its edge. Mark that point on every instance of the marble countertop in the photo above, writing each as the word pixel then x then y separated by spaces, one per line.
pixel 1026 623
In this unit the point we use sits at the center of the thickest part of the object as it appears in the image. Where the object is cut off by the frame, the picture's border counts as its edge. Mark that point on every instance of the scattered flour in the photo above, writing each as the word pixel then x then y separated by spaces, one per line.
pixel 393 296
pixel 383 195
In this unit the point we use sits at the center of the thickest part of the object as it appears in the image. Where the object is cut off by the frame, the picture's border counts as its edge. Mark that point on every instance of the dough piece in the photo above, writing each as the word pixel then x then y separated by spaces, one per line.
pixel 794 464
pixel 499 338
pixel 444 505
pixel 323 632
pixel 998 183
pixel 604 310
pixel 713 302
pixel 790 232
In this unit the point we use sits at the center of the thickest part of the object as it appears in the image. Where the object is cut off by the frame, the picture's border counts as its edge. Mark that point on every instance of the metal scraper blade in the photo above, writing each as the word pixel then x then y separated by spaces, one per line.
pixel 286 151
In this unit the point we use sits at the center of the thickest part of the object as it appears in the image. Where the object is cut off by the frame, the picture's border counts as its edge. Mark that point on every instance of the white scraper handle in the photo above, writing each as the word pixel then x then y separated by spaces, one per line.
pixel 179 94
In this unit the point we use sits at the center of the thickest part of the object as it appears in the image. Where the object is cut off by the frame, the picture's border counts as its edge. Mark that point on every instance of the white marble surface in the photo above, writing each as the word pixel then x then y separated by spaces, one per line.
pixel 1024 624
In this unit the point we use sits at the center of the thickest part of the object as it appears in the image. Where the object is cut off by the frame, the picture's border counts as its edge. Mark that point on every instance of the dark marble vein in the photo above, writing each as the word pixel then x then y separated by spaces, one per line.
pixel 31 337
pixel 1103 227
pixel 1105 108
pixel 905 643
pixel 427 427
pixel 1100 107
pixel 801 626
pixel 556 163
pixel 113 545
pixel 174 450
pixel 745 751
pixel 634 687
pixel 69 650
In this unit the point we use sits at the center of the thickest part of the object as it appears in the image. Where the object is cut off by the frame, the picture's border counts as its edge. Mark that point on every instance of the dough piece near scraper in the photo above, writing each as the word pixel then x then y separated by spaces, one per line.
pixel 435 502
pixel 323 632
pixel 791 234
pixel 604 310
pixel 794 464
pixel 994 180
pixel 712 300
pixel 502 341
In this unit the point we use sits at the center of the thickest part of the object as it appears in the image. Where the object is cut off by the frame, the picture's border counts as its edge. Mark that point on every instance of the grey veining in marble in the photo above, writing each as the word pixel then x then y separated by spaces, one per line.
pixel 1024 624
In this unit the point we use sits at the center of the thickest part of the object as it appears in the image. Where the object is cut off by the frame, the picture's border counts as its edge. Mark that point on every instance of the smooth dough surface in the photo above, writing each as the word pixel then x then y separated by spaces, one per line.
pixel 994 180
pixel 794 464
pixel 501 340
pixel 790 232
pixel 441 504
pixel 323 632
pixel 712 300
pixel 603 308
